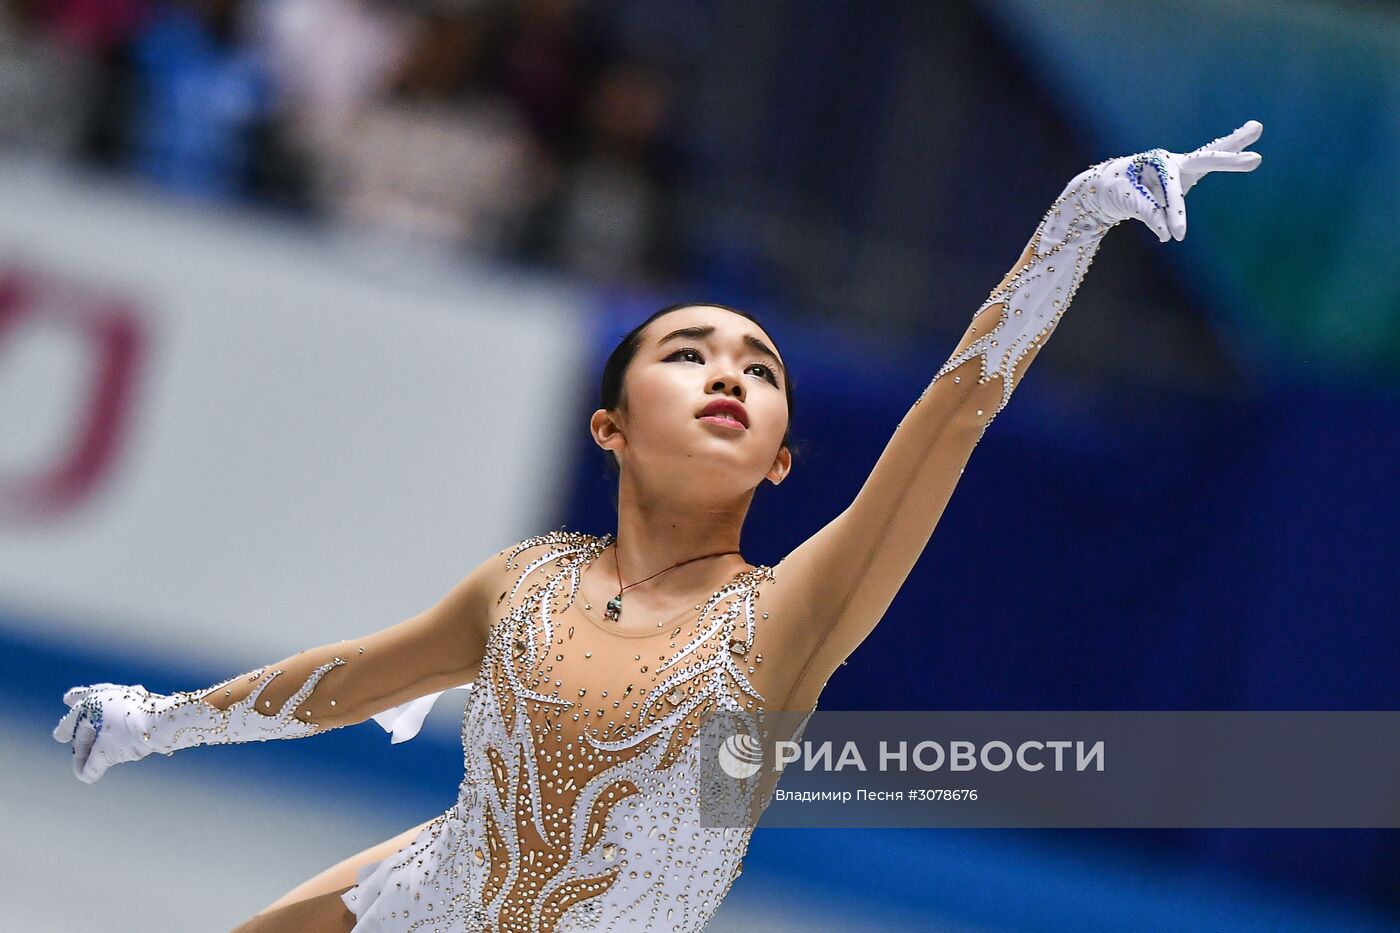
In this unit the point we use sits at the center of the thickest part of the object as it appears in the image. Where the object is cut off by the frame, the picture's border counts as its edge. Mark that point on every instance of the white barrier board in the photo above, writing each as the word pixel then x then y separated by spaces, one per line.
pixel 229 438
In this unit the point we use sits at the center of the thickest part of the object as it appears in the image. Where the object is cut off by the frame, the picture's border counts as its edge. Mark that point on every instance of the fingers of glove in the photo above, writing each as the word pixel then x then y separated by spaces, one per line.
pixel 83 738
pixel 1157 220
pixel 78 694
pixel 1217 161
pixel 1243 136
pixel 1175 203
pixel 1147 202
pixel 1197 165
pixel 63 732
pixel 95 766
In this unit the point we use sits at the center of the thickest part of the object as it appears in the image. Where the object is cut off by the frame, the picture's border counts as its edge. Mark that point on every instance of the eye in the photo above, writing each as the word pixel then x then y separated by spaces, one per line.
pixel 767 372
pixel 691 350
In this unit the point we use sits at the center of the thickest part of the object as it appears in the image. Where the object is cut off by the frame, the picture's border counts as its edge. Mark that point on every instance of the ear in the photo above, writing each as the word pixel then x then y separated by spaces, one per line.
pixel 782 465
pixel 606 431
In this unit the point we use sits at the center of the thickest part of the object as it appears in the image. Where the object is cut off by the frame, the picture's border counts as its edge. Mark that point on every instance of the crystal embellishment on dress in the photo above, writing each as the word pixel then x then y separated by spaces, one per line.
pixel 580 805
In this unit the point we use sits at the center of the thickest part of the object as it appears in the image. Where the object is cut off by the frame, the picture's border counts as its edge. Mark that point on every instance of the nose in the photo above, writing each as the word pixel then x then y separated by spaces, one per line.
pixel 728 385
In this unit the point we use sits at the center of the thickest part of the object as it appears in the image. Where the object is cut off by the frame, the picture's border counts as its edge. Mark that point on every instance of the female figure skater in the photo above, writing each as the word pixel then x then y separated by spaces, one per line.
pixel 593 658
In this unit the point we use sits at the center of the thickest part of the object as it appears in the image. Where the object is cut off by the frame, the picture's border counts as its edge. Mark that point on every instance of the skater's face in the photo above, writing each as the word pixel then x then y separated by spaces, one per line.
pixel 689 360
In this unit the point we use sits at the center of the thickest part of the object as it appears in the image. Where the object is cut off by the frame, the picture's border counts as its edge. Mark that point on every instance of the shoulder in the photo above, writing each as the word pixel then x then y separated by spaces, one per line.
pixel 492 578
pixel 559 547
pixel 489 587
pixel 788 625
pixel 755 583
pixel 559 544
pixel 556 543
pixel 781 588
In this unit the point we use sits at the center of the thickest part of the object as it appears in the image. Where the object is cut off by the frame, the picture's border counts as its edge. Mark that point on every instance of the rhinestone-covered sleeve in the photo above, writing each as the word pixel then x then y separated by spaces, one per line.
pixel 184 719
pixel 1018 316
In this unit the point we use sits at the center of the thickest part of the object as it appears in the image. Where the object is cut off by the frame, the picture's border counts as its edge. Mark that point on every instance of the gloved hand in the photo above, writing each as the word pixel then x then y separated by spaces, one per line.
pixel 1151 186
pixel 110 724
pixel 106 724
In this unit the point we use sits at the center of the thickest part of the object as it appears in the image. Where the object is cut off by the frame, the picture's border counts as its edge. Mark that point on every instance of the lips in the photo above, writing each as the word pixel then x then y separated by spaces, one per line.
pixel 720 410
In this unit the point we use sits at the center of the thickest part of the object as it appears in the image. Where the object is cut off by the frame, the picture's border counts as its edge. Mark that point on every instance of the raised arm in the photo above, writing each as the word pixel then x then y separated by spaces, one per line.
pixel 315 691
pixel 845 576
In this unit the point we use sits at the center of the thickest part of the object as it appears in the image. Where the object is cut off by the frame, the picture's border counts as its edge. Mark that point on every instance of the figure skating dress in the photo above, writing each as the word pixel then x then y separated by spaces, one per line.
pixel 580 806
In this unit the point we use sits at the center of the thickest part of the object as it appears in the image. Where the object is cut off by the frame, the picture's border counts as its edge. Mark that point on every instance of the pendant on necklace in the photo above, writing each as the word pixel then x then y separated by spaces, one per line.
pixel 614 609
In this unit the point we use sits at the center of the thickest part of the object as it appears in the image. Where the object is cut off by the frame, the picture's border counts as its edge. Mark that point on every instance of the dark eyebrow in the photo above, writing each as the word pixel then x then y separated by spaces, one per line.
pixel 702 331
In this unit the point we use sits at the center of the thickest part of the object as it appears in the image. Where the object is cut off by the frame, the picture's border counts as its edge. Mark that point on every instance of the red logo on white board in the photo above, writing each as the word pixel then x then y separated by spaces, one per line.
pixel 72 356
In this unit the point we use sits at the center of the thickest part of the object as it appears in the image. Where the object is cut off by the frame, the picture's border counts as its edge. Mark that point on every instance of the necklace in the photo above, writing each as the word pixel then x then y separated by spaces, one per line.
pixel 614 608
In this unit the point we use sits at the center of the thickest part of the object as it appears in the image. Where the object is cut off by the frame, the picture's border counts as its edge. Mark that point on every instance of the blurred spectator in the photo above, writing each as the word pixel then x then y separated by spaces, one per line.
pixel 610 217
pixel 544 67
pixel 517 129
pixel 44 83
pixel 443 155
pixel 330 58
pixel 93 27
pixel 200 97
pixel 101 32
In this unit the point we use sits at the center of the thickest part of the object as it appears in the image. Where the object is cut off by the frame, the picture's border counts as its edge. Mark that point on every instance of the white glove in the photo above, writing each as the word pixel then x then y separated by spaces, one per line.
pixel 109 724
pixel 1149 186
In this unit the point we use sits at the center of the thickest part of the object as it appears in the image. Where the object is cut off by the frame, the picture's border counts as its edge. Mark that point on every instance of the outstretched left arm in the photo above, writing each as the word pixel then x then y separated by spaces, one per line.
pixel 846 575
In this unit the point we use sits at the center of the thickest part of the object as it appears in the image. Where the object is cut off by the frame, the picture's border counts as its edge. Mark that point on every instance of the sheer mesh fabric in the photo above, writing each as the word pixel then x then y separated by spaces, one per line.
pixel 580 805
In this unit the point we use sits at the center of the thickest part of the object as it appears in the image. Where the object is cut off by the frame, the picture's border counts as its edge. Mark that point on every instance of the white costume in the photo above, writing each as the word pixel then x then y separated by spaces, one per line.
pixel 577 810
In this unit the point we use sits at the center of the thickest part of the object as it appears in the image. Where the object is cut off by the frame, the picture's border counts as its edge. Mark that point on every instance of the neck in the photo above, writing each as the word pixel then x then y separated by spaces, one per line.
pixel 658 531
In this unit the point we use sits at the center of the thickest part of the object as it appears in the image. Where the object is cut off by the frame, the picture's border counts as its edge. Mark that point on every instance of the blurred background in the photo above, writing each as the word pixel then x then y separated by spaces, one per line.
pixel 303 305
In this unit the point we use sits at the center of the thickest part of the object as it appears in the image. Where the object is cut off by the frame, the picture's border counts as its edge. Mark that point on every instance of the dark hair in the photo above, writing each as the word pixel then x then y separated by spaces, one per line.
pixel 615 369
